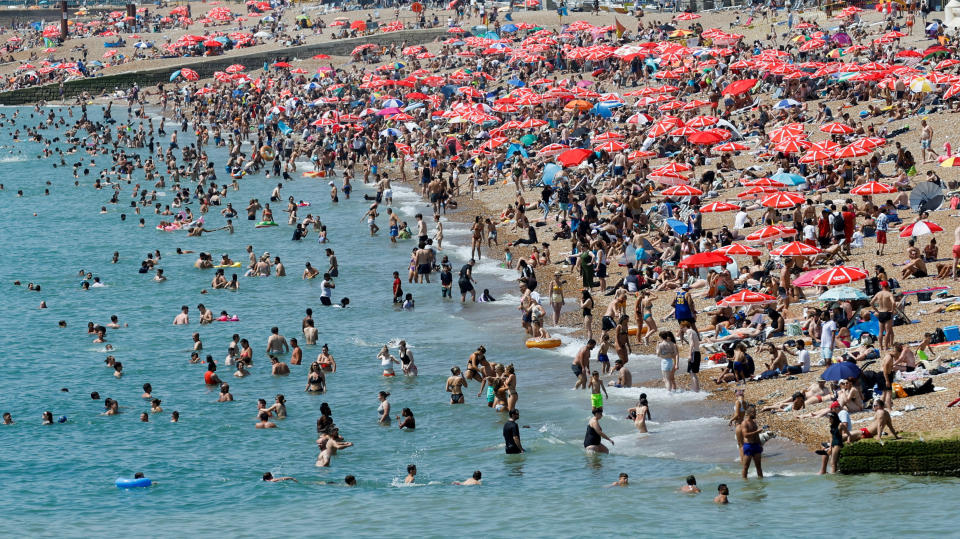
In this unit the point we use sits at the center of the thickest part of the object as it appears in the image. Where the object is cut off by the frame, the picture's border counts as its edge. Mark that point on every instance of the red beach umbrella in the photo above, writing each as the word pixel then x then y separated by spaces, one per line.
pixel 795 248
pixel 839 275
pixel 738 249
pixel 706 259
pixel 746 297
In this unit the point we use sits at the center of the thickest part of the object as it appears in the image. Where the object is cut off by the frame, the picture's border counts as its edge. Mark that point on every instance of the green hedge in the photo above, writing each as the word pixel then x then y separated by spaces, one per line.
pixel 937 457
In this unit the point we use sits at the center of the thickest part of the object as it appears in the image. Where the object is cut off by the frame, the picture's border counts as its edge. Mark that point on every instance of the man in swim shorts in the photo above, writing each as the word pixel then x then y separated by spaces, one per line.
pixel 752 447
pixel 581 364
pixel 885 304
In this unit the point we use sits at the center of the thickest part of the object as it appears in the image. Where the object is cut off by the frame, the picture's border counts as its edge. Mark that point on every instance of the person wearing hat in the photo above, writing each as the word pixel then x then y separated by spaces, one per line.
pixel 683 307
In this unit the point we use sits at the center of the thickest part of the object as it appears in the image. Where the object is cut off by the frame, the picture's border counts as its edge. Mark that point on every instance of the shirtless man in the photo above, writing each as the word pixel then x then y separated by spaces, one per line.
pixel 278 368
pixel 474 480
pixel 276 343
pixel 455 384
pixel 423 258
pixel 182 319
pixel 752 448
pixel 581 364
pixel 624 377
pixel 310 332
pixel 926 142
pixel 885 304
pixel 881 421
pixel 394 225
pixel 263 421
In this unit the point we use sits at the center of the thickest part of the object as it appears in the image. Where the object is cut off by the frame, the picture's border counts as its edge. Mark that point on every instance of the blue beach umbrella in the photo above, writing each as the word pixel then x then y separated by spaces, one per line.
pixel 550 171
pixel 786 104
pixel 390 132
pixel 509 29
pixel 678 226
pixel 787 178
pixel 841 293
pixel 392 103
pixel 516 82
pixel 174 75
pixel 841 371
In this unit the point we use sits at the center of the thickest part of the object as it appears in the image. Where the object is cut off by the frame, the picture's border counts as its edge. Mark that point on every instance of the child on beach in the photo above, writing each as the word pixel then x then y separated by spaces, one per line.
pixel 602 356
pixel 507 258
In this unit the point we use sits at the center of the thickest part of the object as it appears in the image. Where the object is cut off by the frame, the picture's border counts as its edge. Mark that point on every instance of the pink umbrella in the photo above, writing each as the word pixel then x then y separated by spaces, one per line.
pixel 746 297
pixel 795 248
pixel 919 229
pixel 806 278
pixel 839 275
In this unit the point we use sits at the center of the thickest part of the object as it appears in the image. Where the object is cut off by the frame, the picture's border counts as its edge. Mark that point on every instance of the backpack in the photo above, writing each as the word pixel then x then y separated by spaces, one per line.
pixel 838 224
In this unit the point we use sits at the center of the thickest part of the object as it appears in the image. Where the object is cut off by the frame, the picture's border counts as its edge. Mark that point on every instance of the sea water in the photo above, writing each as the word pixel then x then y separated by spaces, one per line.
pixel 59 479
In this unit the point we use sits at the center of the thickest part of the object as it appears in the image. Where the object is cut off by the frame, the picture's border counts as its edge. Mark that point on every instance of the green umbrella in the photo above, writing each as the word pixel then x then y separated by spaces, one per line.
pixel 528 139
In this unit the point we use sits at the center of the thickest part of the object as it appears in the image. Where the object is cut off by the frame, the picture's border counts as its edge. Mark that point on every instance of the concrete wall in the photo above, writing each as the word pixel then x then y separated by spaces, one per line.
pixel 205 67
pixel 49 14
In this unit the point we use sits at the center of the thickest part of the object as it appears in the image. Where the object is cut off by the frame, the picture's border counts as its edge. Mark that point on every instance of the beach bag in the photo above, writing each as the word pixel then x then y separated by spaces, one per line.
pixel 898 390
pixel 938 336
pixel 912 171
pixel 793 329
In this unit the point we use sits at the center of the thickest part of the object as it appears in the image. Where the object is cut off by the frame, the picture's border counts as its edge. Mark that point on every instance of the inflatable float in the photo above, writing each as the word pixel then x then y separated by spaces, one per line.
pixel 543 343
pixel 234 265
pixel 126 482
pixel 267 153
pixel 265 224
pixel 315 174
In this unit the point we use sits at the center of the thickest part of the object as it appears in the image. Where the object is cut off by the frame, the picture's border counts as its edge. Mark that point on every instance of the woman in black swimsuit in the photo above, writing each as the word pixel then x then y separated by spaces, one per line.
pixel 592 440
pixel 586 303
pixel 406 359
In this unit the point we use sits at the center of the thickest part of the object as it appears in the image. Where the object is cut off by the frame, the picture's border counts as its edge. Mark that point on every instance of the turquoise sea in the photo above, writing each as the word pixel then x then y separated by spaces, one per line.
pixel 59 480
